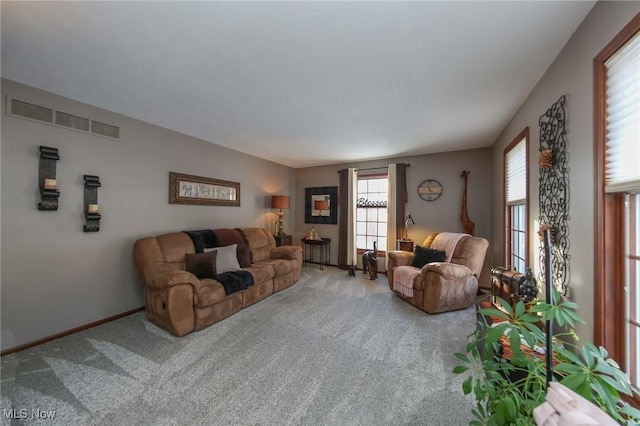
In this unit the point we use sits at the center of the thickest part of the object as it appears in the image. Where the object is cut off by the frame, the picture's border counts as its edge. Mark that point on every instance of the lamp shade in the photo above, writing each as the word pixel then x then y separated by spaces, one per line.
pixel 279 202
pixel 321 205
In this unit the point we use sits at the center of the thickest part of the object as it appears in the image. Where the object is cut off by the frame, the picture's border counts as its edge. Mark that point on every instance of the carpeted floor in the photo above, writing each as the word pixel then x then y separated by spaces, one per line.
pixel 332 350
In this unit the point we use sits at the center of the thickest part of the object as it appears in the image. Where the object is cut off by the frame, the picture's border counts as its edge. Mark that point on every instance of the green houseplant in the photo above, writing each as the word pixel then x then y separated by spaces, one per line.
pixel 506 392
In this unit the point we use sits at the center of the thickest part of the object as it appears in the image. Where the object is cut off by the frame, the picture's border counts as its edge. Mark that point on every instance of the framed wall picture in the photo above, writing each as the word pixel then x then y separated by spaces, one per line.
pixel 190 189
pixel 321 205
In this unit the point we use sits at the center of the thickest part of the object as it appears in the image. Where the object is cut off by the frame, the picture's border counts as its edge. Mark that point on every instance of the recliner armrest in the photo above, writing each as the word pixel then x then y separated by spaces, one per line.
pixel 170 278
pixel 449 271
pixel 286 252
pixel 399 258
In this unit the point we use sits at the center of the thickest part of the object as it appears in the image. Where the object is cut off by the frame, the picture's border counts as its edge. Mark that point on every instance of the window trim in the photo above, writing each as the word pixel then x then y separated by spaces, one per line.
pixel 608 328
pixel 381 252
pixel 507 254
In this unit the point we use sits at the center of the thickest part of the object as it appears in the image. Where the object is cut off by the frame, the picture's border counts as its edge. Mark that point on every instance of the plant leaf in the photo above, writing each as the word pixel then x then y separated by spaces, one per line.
pixel 505 305
pixel 492 312
pixel 530 318
pixel 571 356
pixel 569 304
pixel 462 357
pixel 541 307
pixel 631 412
pixel 459 369
pixel 564 367
pixel 578 383
pixel 494 334
pixel 588 350
pixel 466 385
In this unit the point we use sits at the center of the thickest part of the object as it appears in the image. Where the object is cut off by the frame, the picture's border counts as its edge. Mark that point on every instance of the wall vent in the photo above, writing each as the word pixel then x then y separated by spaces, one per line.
pixel 34 112
pixel 73 121
pixel 30 111
pixel 105 129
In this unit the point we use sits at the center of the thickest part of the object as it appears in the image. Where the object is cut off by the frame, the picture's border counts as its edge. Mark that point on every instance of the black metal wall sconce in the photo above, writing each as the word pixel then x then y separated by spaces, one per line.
pixel 47 183
pixel 91 209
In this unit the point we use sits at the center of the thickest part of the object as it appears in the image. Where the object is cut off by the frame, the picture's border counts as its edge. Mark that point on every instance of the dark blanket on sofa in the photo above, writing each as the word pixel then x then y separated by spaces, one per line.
pixel 203 239
pixel 235 281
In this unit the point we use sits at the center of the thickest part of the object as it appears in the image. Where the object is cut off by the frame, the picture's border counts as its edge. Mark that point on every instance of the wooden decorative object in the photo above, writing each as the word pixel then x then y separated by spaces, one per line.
pixel 545 161
pixel 467 225
pixel 49 192
pixel 543 228
pixel 91 208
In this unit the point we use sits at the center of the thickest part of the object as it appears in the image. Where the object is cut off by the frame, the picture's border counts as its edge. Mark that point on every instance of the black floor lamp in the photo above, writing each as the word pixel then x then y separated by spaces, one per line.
pixel 546 234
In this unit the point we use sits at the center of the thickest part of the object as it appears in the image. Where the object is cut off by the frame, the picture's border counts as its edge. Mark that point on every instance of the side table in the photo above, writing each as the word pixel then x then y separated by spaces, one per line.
pixel 283 240
pixel 325 251
pixel 404 245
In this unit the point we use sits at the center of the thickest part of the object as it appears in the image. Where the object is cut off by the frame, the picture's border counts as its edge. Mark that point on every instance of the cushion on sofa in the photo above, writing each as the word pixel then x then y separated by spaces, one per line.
pixel 202 265
pixel 227 258
pixel 260 243
pixel 211 291
pixel 261 273
pixel 424 255
pixel 226 237
pixel 243 254
pixel 280 266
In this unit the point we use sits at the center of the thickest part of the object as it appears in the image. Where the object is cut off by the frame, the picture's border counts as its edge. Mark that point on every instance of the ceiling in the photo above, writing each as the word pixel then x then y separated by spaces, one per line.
pixel 298 83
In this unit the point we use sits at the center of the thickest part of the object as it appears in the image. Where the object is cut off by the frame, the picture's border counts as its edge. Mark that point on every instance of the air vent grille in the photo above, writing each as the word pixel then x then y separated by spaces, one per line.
pixel 73 121
pixel 34 112
pixel 105 129
pixel 22 109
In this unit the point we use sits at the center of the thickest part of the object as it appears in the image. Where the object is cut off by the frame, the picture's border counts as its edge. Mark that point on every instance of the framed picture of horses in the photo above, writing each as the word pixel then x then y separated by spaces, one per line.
pixel 190 189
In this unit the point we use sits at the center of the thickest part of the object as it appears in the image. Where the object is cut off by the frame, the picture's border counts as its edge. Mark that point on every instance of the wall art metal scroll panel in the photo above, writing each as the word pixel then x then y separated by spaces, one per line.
pixel 554 192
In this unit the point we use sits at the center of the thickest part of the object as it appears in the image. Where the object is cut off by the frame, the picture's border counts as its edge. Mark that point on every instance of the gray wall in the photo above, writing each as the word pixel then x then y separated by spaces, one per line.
pixel 572 75
pixel 56 277
pixel 440 215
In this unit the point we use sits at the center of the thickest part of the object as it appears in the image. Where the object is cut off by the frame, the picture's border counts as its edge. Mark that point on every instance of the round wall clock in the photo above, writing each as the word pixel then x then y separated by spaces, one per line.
pixel 430 190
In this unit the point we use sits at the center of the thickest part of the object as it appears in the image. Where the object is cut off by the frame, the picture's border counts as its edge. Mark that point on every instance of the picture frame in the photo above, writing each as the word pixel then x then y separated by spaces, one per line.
pixel 204 191
pixel 325 197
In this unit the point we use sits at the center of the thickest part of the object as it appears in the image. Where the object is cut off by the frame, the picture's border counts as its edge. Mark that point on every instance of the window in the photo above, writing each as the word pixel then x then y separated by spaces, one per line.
pixel 371 212
pixel 516 202
pixel 632 269
pixel 617 233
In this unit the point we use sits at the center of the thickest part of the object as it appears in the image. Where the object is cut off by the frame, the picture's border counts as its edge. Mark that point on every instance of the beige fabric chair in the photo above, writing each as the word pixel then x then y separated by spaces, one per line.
pixel 441 286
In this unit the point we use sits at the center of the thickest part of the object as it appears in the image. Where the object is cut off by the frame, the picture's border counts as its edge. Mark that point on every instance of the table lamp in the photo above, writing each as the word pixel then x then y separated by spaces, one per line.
pixel 321 205
pixel 408 220
pixel 280 202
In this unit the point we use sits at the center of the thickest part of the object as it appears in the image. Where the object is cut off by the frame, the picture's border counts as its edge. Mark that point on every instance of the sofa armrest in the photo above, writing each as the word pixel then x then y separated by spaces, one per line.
pixel 449 271
pixel 399 258
pixel 286 252
pixel 170 278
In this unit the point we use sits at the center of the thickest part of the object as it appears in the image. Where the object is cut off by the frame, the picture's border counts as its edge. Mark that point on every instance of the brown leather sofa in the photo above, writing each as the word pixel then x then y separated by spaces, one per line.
pixel 442 286
pixel 181 303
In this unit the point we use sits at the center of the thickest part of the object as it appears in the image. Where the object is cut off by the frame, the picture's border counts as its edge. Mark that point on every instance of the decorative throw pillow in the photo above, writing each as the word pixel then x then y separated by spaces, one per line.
pixel 424 255
pixel 227 259
pixel 202 265
pixel 244 258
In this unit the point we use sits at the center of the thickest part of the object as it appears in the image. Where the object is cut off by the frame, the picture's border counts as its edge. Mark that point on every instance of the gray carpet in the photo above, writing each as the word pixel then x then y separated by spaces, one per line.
pixel 332 350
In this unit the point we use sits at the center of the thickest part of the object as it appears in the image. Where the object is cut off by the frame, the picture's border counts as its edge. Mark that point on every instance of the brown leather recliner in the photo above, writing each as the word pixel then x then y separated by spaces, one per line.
pixel 441 286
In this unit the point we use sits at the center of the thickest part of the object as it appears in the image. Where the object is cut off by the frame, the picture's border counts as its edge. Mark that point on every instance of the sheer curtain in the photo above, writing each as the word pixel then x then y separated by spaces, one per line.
pixel 396 206
pixel 347 253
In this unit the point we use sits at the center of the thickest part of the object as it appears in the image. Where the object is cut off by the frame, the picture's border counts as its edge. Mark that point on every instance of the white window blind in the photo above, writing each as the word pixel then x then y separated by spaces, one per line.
pixel 622 160
pixel 516 176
